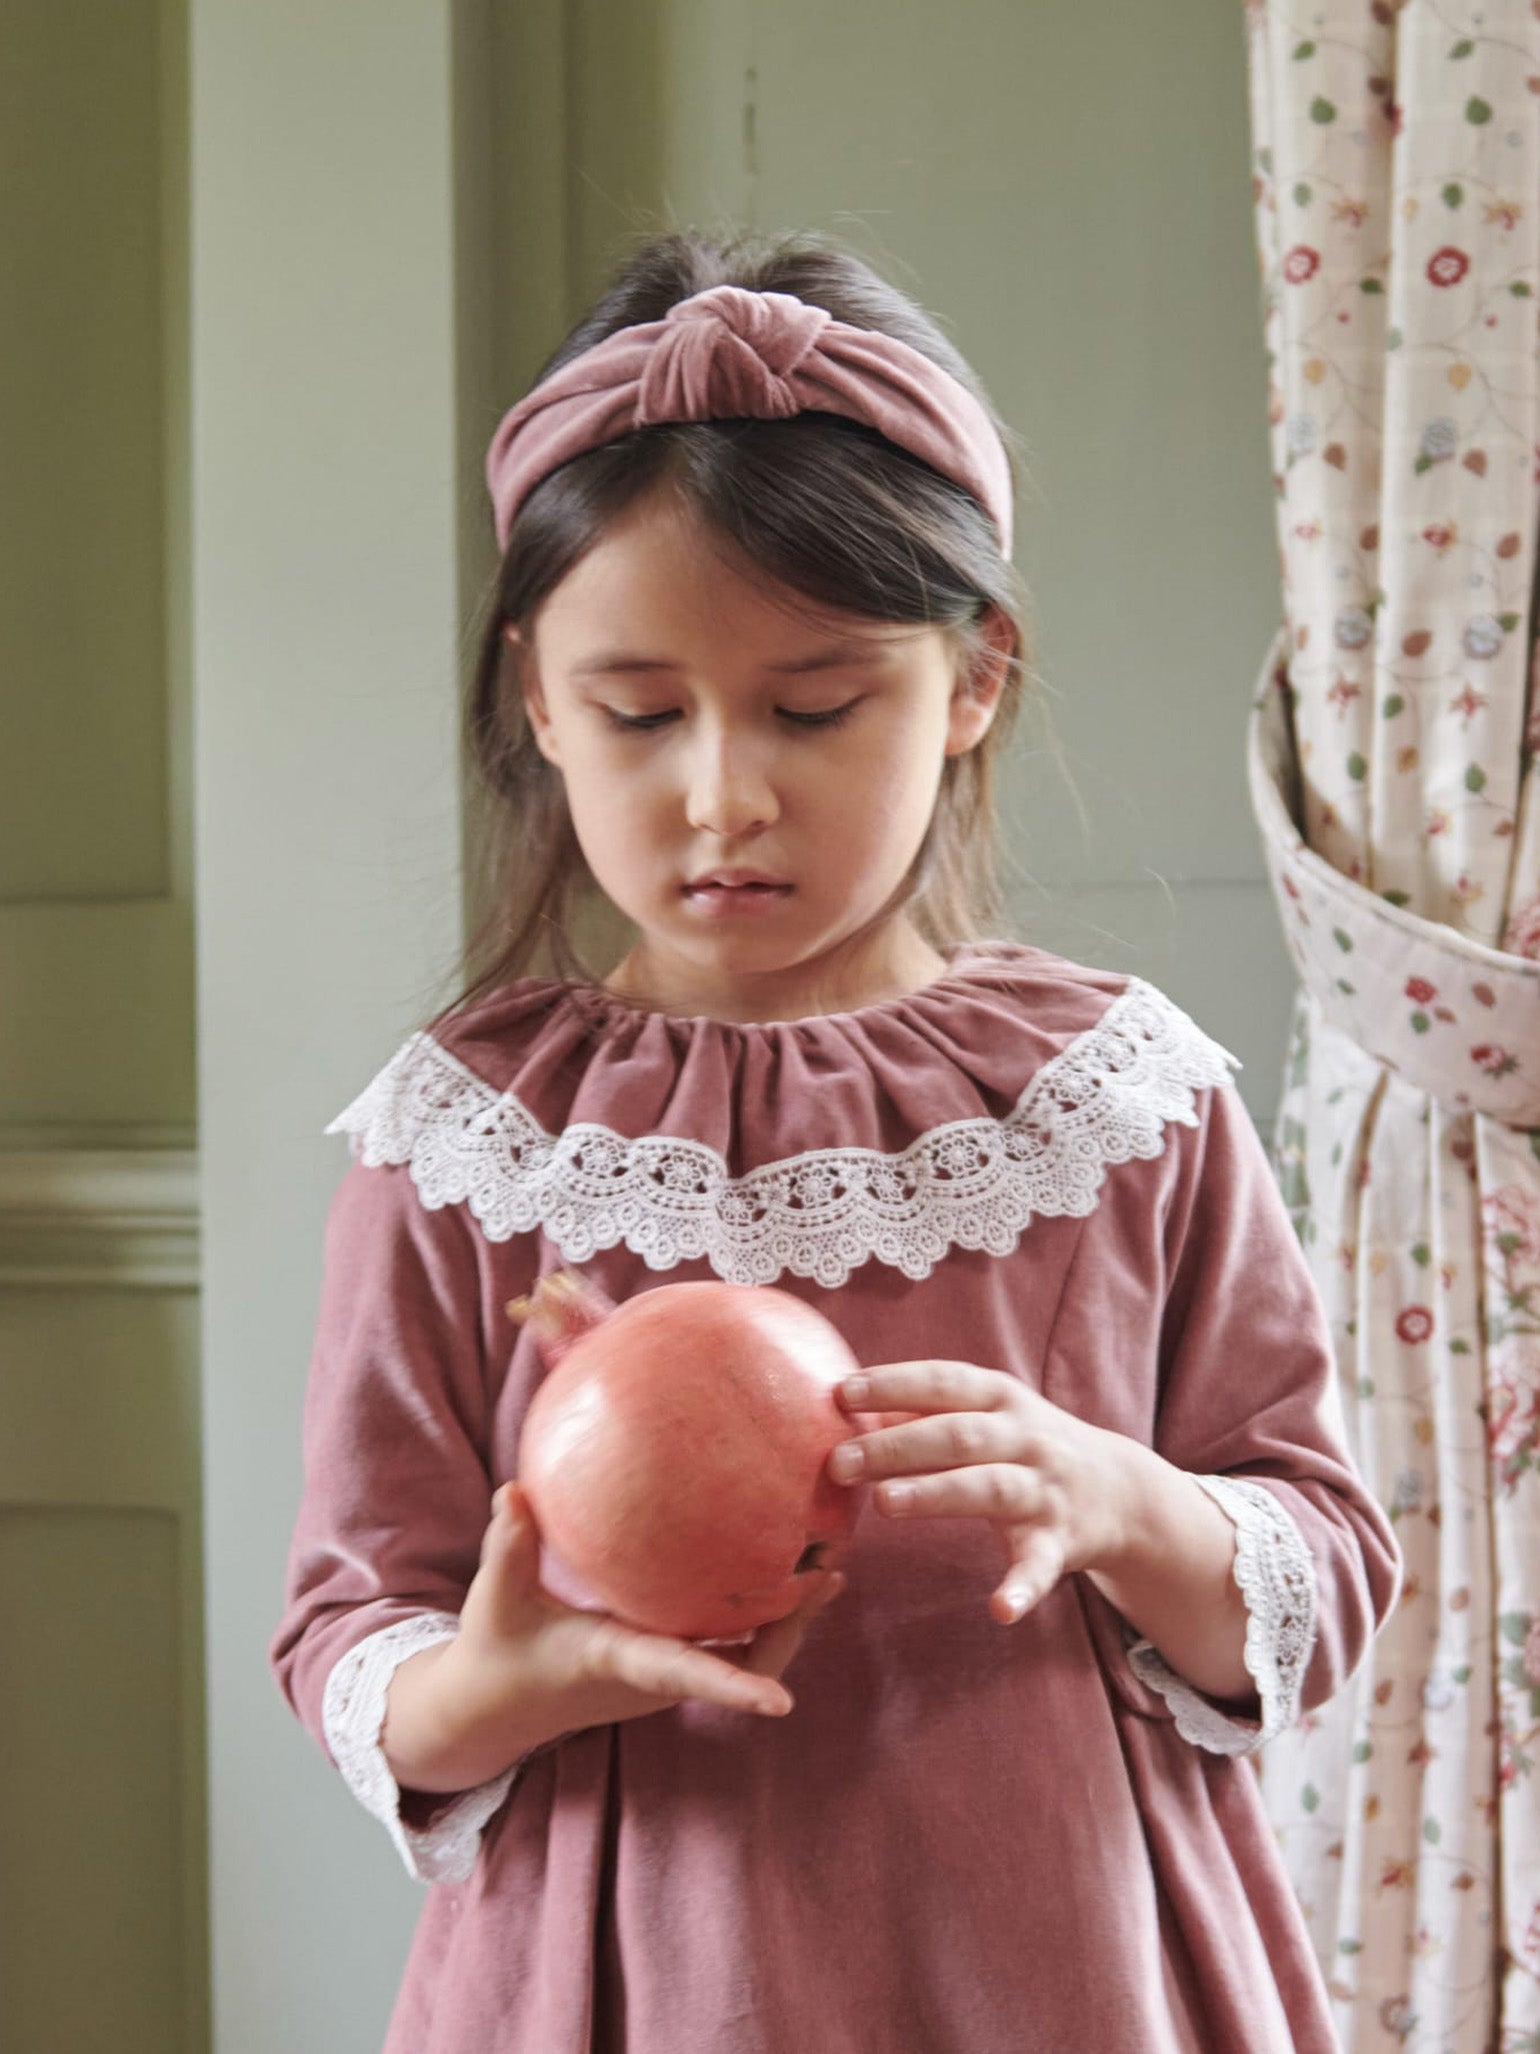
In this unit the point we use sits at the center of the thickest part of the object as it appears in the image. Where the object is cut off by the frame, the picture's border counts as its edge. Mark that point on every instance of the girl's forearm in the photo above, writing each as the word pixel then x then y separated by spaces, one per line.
pixel 1172 1577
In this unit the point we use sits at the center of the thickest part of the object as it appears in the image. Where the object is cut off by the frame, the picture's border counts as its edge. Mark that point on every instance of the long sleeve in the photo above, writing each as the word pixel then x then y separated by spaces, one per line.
pixel 1247 1405
pixel 397 1490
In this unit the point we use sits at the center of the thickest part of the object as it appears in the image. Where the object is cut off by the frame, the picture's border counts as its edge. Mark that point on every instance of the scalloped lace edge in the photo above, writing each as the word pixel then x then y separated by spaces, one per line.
pixel 1276 1576
pixel 352 1714
pixel 975 1183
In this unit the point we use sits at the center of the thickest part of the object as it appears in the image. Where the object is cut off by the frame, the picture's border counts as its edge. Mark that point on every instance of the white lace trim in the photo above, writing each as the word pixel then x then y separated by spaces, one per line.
pixel 971 1183
pixel 1277 1579
pixel 352 1713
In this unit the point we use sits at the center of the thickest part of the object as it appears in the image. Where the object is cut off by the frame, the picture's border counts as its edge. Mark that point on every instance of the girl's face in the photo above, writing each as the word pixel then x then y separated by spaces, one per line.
pixel 702 724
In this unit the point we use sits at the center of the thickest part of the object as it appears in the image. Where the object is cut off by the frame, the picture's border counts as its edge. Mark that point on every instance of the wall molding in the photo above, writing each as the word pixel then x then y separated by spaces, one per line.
pixel 93 1217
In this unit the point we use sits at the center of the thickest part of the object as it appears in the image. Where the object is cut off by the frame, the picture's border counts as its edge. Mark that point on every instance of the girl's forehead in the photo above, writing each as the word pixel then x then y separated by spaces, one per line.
pixel 659 553
pixel 665 579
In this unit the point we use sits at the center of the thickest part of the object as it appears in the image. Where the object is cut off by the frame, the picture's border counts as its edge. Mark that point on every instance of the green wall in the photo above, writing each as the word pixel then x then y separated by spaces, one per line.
pixel 1069 189
pixel 103 1895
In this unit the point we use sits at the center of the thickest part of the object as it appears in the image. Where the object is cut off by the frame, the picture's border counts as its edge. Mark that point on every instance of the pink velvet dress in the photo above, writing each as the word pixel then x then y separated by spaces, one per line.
pixel 966 1838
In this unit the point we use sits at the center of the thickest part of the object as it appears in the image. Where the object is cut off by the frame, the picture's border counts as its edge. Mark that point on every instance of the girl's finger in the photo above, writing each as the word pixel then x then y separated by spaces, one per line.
pixel 1037 1564
pixel 873 1422
pixel 927 1386
pixel 939 1440
pixel 774 1645
pixel 989 1490
pixel 675 1669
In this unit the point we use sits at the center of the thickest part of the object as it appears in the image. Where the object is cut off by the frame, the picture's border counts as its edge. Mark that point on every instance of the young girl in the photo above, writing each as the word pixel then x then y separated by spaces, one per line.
pixel 754 647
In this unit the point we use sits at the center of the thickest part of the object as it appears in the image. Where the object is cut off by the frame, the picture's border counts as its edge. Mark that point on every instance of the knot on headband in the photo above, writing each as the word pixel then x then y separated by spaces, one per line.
pixel 731 353
pixel 728 353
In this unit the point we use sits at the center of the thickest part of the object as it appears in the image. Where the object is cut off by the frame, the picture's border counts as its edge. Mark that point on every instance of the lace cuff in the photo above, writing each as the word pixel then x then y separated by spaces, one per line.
pixel 1277 1579
pixel 352 1713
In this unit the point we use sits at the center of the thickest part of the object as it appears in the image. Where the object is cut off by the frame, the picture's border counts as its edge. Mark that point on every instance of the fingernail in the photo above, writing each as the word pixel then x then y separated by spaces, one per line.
pixel 847 1460
pixel 856 1388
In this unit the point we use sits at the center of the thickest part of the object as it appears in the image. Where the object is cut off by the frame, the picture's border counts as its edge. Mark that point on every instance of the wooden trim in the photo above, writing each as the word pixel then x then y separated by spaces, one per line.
pixel 79 1217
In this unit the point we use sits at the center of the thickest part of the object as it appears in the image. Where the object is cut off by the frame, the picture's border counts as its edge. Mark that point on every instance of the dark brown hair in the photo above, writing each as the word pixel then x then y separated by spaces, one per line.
pixel 817 505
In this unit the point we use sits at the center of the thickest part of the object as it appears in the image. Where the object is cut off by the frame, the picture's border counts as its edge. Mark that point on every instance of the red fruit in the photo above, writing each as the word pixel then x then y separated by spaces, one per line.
pixel 675 1456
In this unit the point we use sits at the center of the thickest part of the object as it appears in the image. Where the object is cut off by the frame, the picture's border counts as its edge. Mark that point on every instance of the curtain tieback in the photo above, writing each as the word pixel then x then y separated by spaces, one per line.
pixel 1455 1018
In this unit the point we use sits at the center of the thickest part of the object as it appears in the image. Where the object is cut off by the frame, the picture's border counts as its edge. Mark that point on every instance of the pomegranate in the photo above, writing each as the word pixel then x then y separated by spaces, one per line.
pixel 675 1454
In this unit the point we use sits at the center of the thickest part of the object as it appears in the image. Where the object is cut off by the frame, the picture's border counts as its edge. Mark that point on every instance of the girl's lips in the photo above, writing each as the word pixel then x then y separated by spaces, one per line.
pixel 734 874
pixel 746 899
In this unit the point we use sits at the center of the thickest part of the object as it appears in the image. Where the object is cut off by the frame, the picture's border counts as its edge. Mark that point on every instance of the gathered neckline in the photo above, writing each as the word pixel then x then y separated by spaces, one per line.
pixel 962 967
pixel 919 1125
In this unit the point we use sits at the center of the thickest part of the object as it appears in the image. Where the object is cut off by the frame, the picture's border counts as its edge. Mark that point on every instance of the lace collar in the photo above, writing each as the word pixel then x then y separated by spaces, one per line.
pixel 1104 1097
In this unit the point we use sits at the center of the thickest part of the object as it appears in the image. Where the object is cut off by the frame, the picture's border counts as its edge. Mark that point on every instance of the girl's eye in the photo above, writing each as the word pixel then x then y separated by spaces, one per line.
pixel 635 723
pixel 643 723
pixel 832 718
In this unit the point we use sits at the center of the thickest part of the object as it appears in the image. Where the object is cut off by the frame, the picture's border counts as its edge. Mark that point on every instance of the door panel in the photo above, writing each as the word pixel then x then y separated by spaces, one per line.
pixel 102 1889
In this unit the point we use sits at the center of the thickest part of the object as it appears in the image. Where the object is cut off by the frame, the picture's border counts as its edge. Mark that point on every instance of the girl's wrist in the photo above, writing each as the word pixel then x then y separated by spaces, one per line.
pixel 1121 1494
pixel 444 1730
pixel 1168 1569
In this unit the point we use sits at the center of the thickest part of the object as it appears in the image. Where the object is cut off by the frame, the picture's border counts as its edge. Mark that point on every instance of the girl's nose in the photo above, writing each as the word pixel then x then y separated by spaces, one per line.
pixel 729 793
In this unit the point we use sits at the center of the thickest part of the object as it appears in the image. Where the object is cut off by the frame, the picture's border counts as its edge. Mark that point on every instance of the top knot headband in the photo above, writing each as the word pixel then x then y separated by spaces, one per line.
pixel 730 353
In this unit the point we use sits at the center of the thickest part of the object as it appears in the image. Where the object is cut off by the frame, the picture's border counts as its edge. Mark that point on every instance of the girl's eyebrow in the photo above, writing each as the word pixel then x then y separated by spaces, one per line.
pixel 822 659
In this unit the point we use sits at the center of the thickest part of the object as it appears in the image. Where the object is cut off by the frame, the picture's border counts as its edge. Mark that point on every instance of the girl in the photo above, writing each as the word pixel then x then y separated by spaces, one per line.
pixel 754 648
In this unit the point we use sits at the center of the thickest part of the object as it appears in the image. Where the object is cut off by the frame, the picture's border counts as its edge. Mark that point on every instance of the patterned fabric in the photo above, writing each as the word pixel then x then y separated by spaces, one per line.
pixel 1448 1014
pixel 1393 775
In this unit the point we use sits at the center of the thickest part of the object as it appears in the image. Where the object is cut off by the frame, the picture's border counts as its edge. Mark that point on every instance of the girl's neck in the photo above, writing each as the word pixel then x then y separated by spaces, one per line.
pixel 896 964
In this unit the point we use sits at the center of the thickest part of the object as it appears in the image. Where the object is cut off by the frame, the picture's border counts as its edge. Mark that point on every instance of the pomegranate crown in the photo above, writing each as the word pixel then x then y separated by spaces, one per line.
pixel 561 1309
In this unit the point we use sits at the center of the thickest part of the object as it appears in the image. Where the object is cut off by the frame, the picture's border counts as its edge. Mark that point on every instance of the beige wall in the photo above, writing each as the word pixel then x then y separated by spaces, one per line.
pixel 395 209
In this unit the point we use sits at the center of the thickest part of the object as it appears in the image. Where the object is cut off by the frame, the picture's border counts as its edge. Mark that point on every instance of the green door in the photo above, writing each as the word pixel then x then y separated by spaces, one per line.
pixel 102 1889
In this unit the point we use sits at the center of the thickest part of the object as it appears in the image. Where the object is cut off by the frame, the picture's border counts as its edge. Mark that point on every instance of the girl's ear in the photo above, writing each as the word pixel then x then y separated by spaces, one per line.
pixel 528 683
pixel 976 694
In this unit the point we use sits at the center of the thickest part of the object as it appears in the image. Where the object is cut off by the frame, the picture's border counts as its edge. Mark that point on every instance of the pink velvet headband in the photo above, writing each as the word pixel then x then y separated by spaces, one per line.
pixel 729 353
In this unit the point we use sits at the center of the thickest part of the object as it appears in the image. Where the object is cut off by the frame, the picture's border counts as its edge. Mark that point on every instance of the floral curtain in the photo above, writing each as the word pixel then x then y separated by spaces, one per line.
pixel 1394 758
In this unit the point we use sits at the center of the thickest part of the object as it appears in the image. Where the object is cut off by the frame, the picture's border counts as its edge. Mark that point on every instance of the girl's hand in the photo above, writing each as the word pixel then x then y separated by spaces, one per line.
pixel 526 1668
pixel 982 1445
